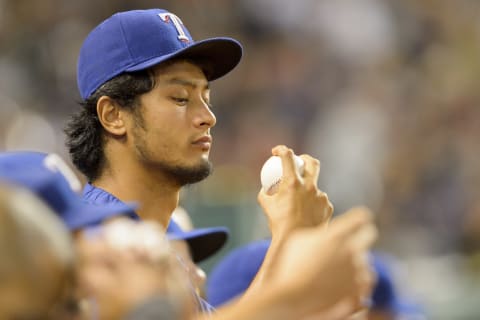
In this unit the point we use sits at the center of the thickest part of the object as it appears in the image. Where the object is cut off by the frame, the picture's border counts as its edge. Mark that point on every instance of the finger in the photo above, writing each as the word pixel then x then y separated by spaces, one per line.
pixel 311 170
pixel 341 310
pixel 277 149
pixel 359 315
pixel 365 276
pixel 328 204
pixel 325 209
pixel 363 238
pixel 289 171
pixel 351 221
pixel 367 279
pixel 261 196
pixel 331 208
pixel 360 304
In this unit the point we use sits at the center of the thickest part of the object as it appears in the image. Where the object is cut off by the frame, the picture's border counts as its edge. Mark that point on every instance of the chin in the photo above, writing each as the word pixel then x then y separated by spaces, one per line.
pixel 185 175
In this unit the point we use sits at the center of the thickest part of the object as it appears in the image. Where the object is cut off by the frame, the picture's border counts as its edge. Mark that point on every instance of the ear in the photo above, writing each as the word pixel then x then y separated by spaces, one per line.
pixel 111 116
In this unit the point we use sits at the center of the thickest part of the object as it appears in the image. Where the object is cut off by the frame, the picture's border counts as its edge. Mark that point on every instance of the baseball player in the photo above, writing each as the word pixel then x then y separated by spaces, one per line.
pixel 143 131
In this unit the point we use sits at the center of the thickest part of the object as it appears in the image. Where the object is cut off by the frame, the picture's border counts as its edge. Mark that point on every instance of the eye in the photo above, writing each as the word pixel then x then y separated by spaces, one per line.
pixel 180 101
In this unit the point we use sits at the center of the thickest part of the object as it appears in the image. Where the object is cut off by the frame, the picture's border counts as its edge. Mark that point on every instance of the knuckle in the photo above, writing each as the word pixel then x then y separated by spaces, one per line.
pixel 323 197
pixel 313 162
pixel 259 197
pixel 289 152
pixel 292 184
pixel 311 188
pixel 330 207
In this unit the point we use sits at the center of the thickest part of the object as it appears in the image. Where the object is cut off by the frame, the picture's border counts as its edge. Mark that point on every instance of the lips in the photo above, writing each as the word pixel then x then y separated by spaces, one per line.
pixel 204 142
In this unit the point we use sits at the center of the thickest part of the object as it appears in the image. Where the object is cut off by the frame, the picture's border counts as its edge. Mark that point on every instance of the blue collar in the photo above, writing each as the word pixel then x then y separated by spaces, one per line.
pixel 99 196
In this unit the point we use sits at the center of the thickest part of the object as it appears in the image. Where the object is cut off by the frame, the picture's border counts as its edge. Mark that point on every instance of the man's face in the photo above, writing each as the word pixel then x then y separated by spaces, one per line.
pixel 171 128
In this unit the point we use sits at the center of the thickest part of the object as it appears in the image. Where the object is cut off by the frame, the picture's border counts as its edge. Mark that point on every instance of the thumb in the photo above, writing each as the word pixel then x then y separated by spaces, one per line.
pixel 261 195
pixel 351 221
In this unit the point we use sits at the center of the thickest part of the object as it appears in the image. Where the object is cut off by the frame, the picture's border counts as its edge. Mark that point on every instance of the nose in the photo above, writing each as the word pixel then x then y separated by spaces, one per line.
pixel 204 117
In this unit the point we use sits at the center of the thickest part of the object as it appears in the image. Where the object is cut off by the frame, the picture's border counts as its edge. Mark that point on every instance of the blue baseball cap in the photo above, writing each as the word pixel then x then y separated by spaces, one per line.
pixel 232 276
pixel 48 177
pixel 385 296
pixel 139 39
pixel 203 242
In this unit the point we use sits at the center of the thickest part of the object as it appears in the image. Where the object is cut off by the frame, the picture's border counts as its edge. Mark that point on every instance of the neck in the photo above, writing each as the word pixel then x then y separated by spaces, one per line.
pixel 154 192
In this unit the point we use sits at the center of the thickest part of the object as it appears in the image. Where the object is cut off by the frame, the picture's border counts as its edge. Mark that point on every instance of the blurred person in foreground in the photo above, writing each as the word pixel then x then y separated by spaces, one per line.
pixel 234 273
pixel 40 266
pixel 36 259
pixel 32 169
pixel 110 247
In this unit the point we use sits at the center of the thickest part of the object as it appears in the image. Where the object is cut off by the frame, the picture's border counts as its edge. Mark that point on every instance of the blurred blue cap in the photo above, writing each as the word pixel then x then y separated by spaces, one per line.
pixel 233 275
pixel 385 295
pixel 139 39
pixel 203 242
pixel 49 177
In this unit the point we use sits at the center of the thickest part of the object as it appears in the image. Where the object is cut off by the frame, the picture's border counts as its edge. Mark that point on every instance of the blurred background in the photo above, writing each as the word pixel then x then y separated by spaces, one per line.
pixel 385 93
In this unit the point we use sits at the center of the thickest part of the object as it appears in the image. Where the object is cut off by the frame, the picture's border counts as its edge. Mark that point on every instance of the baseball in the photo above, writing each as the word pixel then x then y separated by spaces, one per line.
pixel 272 172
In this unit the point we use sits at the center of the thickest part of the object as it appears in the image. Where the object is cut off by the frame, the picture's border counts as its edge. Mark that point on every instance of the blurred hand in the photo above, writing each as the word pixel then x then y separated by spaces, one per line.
pixel 126 264
pixel 328 269
pixel 298 202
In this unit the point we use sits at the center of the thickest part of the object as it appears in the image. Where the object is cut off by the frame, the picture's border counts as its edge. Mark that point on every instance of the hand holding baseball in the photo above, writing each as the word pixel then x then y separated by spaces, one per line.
pixel 272 172
pixel 295 201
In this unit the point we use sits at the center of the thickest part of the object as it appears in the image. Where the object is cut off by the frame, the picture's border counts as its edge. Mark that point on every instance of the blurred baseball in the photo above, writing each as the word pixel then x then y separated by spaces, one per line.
pixel 272 172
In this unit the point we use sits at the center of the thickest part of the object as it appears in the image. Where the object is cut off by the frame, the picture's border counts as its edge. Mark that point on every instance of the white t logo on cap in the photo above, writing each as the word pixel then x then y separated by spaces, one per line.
pixel 167 17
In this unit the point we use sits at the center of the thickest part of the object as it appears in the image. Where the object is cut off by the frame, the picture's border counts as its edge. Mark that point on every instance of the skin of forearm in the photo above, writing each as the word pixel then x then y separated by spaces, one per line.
pixel 279 237
pixel 279 303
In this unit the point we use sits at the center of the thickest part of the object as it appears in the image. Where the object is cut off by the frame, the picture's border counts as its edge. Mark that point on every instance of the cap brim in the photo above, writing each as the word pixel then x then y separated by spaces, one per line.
pixel 216 56
pixel 87 214
pixel 203 242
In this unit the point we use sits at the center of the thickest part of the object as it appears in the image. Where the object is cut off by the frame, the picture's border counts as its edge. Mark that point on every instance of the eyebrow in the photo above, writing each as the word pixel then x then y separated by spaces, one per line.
pixel 185 82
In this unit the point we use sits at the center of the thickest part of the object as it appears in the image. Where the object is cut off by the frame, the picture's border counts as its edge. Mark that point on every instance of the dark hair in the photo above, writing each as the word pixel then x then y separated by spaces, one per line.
pixel 85 134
